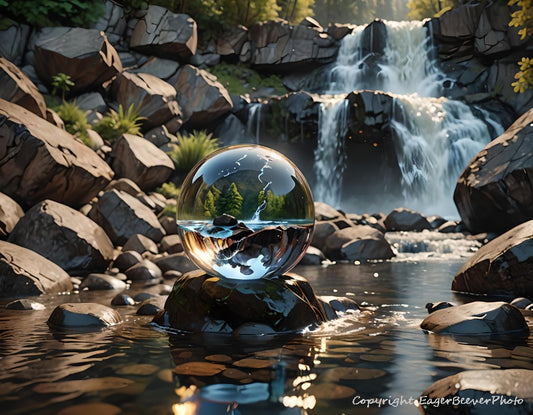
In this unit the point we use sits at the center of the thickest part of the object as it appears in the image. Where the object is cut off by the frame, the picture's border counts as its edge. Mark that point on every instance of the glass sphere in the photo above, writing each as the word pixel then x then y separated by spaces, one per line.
pixel 245 212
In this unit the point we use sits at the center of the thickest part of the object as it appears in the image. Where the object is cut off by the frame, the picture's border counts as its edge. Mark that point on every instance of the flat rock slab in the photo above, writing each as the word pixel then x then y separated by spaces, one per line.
pixel 40 161
pixel 24 272
pixel 506 391
pixel 477 319
pixel 71 315
pixel 201 303
pixel 64 236
pixel 504 266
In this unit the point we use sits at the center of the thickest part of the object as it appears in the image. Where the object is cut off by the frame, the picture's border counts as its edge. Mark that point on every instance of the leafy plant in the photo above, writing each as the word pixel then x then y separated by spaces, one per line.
pixel 169 190
pixel 114 124
pixel 524 77
pixel 169 210
pixel 191 149
pixel 61 82
pixel 75 120
pixel 523 17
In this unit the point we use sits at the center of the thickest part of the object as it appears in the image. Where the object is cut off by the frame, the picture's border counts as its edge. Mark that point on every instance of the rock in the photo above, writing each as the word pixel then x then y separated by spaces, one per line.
pixel 144 271
pixel 140 244
pixel 61 168
pixel 143 296
pixel 165 34
pixel 175 262
pixel 286 303
pixel 357 243
pixel 495 191
pixel 13 41
pixel 436 221
pixel 151 306
pixel 340 305
pixel 24 272
pixel 91 101
pixel 127 259
pixel 159 67
pixel 95 281
pixel 64 236
pixel 313 256
pixel 121 216
pixel 504 266
pixel 83 54
pixel 122 299
pixel 449 226
pixel 323 211
pixel 323 229
pixel 202 98
pixel 159 136
pixel 231 41
pixel 25 304
pixel 171 244
pixel 139 160
pixel 154 98
pixel 225 220
pixel 521 302
pixel 402 219
pixel 476 319
pixel 338 31
pixel 505 390
pixel 124 185
pixel 431 307
pixel 72 315
pixel 10 214
pixel 18 89
pixel 113 22
pixel 169 224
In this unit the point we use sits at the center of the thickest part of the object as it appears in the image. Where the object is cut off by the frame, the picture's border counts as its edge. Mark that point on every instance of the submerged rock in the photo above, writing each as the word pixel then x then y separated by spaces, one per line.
pixel 504 266
pixel 70 315
pixel 199 303
pixel 476 319
pixel 25 304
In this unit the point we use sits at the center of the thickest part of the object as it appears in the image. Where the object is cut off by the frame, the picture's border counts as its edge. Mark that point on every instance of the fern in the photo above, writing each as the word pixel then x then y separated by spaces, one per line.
pixel 191 149
pixel 114 124
pixel 75 120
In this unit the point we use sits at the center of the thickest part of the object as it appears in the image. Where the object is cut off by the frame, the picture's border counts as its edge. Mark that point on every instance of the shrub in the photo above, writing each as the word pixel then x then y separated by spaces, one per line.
pixel 114 124
pixel 61 82
pixel 74 119
pixel 169 190
pixel 191 149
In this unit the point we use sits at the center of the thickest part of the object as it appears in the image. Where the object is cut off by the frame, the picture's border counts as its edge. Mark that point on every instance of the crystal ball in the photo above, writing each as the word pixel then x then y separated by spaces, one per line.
pixel 245 212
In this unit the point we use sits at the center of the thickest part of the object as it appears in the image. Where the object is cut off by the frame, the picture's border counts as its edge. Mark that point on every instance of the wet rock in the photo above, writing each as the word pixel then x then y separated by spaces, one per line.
pixel 202 98
pixel 100 408
pixel 476 319
pixel 127 259
pixel 254 329
pixel 139 160
pixel 65 236
pixel 154 98
pixel 140 243
pixel 507 390
pixel 83 54
pixel 431 307
pixel 144 271
pixel 25 304
pixel 121 215
pixel 24 272
pixel 323 229
pixel 10 214
pixel 61 168
pixel 13 40
pixel 357 243
pixel 71 315
pixel 313 256
pixel 403 219
pixel 140 297
pixel 285 303
pixel 495 191
pixel 340 305
pixel 504 266
pixel 122 299
pixel 436 221
pixel 450 226
pixel 175 262
pixel 165 34
pixel 338 31
pixel 171 244
pixel 151 306
pixel 95 281
pixel 521 302
pixel 225 220
pixel 18 89
pixel 172 274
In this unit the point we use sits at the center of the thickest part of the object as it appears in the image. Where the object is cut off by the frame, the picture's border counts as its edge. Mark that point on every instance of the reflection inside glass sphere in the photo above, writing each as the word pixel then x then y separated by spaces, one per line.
pixel 245 212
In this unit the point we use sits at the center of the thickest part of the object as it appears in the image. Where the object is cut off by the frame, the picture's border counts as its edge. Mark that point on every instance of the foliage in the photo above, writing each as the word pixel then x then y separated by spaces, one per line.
pixel 230 203
pixel 41 13
pixel 169 210
pixel 524 77
pixel 274 206
pixel 240 80
pixel 421 9
pixel 191 149
pixel 295 10
pixel 523 17
pixel 75 120
pixel 169 190
pixel 114 124
pixel 247 12
pixel 61 82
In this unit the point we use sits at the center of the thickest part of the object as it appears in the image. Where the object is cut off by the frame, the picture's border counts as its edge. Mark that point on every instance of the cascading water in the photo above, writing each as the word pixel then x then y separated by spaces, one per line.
pixel 434 137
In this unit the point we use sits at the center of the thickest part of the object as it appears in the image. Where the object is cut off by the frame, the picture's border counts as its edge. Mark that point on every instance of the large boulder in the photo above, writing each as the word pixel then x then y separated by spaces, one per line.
pixel 17 88
pixel 154 98
pixel 122 215
pixel 64 236
pixel 114 22
pixel 24 272
pixel 138 159
pixel 403 219
pixel 495 191
pixel 40 161
pixel 83 54
pixel 199 302
pixel 504 266
pixel 13 41
pixel 202 98
pixel 507 391
pixel 163 33
pixel 231 41
pixel 357 243
pixel 477 318
pixel 10 214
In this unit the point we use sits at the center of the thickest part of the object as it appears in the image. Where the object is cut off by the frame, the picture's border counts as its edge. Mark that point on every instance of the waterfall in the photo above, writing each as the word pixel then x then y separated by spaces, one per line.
pixel 254 120
pixel 434 137
pixel 329 153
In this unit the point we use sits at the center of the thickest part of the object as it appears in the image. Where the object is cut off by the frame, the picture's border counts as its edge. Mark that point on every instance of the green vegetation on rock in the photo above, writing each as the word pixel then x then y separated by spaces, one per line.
pixel 191 149
pixel 75 120
pixel 114 124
